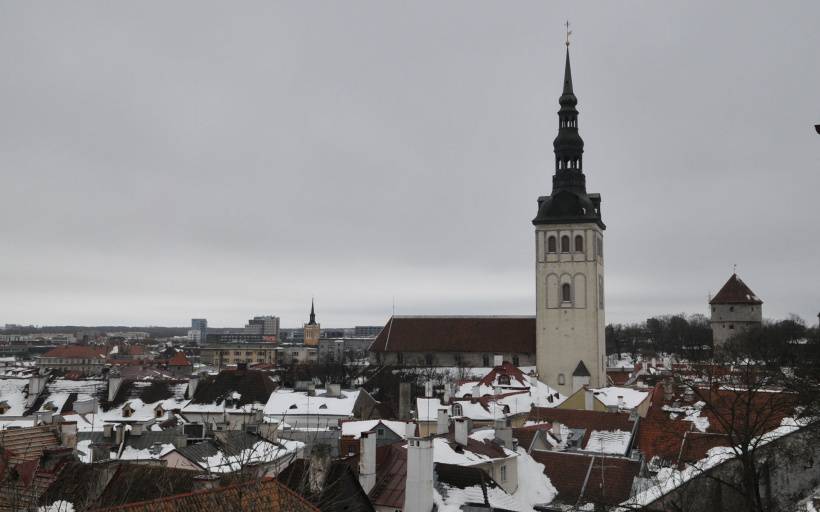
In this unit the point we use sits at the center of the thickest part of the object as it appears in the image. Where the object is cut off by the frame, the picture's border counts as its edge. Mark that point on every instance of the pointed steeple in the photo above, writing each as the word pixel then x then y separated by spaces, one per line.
pixel 569 200
pixel 568 145
pixel 312 314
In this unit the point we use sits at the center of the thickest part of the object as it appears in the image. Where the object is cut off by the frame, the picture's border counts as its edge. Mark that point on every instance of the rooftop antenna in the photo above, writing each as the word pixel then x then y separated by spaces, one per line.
pixel 569 33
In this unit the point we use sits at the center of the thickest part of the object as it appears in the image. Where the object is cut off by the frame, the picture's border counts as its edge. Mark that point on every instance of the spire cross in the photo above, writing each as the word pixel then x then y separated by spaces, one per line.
pixel 569 33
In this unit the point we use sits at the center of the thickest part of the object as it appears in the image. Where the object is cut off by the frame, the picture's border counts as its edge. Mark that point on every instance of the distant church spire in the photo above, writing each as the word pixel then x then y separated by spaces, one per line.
pixel 312 314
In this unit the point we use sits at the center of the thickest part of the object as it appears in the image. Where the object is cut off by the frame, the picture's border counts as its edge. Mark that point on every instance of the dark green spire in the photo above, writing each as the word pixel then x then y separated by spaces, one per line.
pixel 312 314
pixel 568 145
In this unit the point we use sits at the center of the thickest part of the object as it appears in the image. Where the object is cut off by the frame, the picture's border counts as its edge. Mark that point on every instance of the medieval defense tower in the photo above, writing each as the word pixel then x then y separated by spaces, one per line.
pixel 569 265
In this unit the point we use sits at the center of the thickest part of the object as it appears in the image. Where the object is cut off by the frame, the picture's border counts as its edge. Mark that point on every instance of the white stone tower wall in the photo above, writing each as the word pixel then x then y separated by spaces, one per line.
pixel 573 331
pixel 731 319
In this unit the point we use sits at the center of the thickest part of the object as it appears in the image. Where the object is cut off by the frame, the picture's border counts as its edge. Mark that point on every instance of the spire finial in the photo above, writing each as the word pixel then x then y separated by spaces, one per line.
pixel 569 33
pixel 734 268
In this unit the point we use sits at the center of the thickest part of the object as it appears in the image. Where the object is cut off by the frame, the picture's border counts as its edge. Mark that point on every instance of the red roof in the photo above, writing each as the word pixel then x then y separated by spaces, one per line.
pixel 136 350
pixel 77 352
pixel 619 377
pixel 609 482
pixel 506 368
pixel 735 291
pixel 588 420
pixel 494 334
pixel 391 476
pixel 179 359
pixel 744 414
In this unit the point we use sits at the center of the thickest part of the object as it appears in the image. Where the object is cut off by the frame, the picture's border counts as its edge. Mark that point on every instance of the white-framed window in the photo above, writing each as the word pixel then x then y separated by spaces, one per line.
pixel 504 473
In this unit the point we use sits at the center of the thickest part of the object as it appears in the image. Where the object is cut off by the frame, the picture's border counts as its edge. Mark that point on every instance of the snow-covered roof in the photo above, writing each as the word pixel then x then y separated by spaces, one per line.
pixel 445 452
pixel 624 398
pixel 355 428
pixel 614 442
pixel 12 395
pixel 287 402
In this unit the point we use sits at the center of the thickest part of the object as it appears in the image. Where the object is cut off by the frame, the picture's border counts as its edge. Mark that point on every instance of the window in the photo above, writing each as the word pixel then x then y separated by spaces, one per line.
pixel 380 432
pixel 457 411
pixel 515 360
pixel 732 326
pixel 565 243
pixel 600 292
pixel 486 359
pixel 566 293
pixel 504 473
pixel 551 244
pixel 399 357
pixel 561 379
pixel 428 359
pixel 579 243
pixel 504 380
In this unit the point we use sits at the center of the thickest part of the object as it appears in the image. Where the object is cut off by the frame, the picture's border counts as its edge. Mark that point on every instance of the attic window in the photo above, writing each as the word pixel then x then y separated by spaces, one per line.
pixel 457 410
pixel 504 380
pixel 323 406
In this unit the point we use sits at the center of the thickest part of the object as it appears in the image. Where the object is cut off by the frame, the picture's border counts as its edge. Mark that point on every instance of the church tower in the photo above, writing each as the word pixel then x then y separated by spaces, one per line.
pixel 569 265
pixel 312 329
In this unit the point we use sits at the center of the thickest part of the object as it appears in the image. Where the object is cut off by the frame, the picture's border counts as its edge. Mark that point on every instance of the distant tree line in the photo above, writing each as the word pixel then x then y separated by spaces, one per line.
pixel 691 335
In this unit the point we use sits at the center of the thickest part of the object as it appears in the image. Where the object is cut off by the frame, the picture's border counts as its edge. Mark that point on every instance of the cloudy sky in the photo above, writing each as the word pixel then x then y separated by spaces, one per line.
pixel 166 160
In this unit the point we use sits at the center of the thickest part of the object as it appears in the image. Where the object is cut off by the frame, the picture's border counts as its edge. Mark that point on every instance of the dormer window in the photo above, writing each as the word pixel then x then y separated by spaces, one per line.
pixel 4 407
pixel 457 410
pixel 323 406
pixel 159 412
pixel 504 380
pixel 127 411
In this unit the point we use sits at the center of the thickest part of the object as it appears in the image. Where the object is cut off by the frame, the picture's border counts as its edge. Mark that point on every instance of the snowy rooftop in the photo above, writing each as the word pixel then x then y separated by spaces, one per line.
pixel 356 428
pixel 12 395
pixel 624 398
pixel 287 402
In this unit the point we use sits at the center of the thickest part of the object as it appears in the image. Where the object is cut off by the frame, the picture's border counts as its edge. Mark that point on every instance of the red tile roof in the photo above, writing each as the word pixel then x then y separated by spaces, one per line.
pixel 457 334
pixel 391 476
pixel 619 377
pixel 269 494
pixel 609 482
pixel 735 291
pixel 506 368
pixel 179 359
pixel 77 352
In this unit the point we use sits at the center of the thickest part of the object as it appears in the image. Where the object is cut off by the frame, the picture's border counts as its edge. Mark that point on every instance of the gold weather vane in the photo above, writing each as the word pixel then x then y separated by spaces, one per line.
pixel 569 33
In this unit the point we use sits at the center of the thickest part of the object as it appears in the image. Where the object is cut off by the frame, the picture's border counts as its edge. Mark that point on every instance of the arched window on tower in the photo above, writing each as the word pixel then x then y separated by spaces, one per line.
pixel 551 244
pixel 565 243
pixel 566 292
pixel 579 243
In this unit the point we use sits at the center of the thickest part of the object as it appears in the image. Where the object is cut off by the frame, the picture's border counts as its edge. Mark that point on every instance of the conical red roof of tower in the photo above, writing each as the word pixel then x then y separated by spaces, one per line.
pixel 735 291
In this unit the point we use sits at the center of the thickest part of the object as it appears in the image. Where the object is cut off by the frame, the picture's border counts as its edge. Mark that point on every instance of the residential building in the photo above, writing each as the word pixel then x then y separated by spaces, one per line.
pixel 569 235
pixel 222 354
pixel 85 359
pixel 735 309
pixel 367 331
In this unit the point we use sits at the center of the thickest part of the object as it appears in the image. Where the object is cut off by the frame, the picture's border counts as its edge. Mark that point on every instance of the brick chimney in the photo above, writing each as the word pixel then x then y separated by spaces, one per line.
pixel 418 492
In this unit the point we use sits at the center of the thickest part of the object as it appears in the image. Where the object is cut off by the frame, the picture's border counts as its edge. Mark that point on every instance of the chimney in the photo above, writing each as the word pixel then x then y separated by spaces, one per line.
pixel 498 360
pixel 311 389
pixel 621 402
pixel 462 429
pixel 137 429
pixel 367 461
pixel 418 491
pixel 193 382
pixel 334 390
pixel 556 429
pixel 269 431
pixel 114 382
pixel 503 433
pixel 404 400
pixel 428 389
pixel 410 429
pixel 108 430
pixel 68 434
pixel 447 393
pixel 443 422
pixel 475 392
pixel 589 400
pixel 668 389
pixel 319 466
pixel 119 434
pixel 653 363
pixel 36 385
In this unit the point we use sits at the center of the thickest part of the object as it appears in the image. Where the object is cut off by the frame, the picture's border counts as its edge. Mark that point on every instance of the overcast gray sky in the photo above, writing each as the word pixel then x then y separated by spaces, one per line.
pixel 167 160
